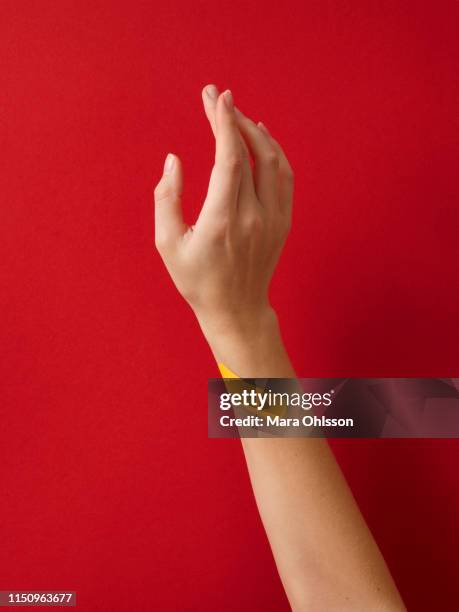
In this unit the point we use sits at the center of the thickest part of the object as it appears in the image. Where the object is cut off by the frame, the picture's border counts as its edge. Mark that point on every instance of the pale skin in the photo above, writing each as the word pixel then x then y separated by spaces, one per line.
pixel 325 554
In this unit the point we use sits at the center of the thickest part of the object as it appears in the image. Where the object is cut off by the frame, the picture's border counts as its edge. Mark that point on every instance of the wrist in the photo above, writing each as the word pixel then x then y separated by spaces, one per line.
pixel 249 343
pixel 247 326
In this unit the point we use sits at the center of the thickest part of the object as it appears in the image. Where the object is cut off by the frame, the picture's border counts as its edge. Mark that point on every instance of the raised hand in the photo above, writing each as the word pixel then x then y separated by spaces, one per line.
pixel 223 264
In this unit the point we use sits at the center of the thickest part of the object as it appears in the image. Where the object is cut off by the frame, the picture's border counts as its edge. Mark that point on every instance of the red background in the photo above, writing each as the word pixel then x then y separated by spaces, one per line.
pixel 109 485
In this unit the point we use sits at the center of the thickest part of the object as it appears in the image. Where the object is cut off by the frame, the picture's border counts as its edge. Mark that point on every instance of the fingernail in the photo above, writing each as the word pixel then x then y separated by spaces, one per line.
pixel 212 92
pixel 228 98
pixel 263 128
pixel 169 163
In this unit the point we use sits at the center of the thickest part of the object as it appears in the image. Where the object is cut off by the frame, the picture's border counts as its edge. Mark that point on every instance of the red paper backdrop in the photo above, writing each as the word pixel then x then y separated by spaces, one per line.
pixel 109 486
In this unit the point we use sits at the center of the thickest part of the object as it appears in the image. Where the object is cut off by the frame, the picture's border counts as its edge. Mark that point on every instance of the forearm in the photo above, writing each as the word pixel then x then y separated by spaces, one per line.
pixel 325 554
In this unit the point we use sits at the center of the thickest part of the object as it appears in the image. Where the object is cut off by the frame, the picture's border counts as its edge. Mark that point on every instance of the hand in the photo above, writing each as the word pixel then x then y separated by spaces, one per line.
pixel 224 263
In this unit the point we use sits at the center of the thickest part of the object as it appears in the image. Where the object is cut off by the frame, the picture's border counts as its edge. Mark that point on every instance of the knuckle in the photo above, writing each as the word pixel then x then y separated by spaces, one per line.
pixel 233 163
pixel 162 242
pixel 271 159
pixel 160 194
pixel 219 229
pixel 253 224
pixel 164 192
pixel 245 156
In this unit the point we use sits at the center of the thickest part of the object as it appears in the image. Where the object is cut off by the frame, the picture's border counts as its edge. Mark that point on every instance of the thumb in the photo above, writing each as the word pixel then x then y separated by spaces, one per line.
pixel 169 224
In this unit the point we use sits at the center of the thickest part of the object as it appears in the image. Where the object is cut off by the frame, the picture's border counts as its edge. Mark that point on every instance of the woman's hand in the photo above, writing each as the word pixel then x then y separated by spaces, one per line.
pixel 224 263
